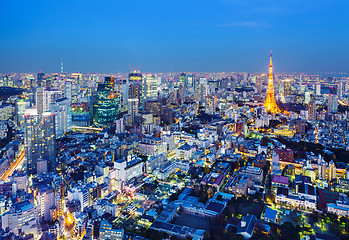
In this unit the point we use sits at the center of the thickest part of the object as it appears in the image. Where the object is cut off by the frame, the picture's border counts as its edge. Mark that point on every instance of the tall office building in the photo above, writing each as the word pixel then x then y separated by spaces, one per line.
pixel 68 86
pixel 135 77
pixel 44 100
pixel 132 108
pixel 201 92
pixel 21 106
pixel 312 111
pixel 40 79
pixel 134 92
pixel 210 104
pixel 332 106
pixel 332 171
pixel 318 89
pixel 190 81
pixel 341 89
pixel 63 116
pixel 183 78
pixel 121 87
pixel 259 84
pixel 307 97
pixel 48 83
pixel 153 106
pixel 287 87
pixel 322 170
pixel 150 87
pixel 40 141
pixel 105 108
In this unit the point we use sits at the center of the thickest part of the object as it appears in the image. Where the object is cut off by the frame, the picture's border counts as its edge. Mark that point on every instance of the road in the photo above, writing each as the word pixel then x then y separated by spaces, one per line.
pixel 15 164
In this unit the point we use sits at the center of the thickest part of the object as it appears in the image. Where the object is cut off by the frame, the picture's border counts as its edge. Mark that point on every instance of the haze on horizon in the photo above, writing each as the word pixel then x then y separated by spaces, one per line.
pixel 174 36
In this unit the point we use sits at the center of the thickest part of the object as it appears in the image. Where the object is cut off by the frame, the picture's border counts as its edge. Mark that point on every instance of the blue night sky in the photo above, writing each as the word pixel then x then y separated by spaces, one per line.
pixel 174 35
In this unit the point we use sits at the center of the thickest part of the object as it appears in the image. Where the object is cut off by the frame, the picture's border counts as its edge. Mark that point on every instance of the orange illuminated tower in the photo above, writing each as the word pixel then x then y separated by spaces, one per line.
pixel 270 103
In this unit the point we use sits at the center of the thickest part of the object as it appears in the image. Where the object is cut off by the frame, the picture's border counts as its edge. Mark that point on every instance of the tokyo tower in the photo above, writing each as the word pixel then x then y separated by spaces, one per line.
pixel 270 103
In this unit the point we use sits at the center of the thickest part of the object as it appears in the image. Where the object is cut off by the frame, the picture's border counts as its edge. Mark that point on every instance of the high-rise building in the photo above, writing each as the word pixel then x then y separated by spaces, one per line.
pixel 210 104
pixel 40 140
pixel 134 92
pixel 40 79
pixel 259 84
pixel 332 106
pixel 307 97
pixel 44 100
pixel 135 77
pixel 183 78
pixel 312 111
pixel 105 108
pixel 191 81
pixel 153 106
pixel 132 109
pixel 63 116
pixel 332 171
pixel 322 170
pixel 150 87
pixel 318 89
pixel 300 126
pixel 68 86
pixel 341 89
pixel 121 87
pixel 270 103
pixel 21 106
pixel 287 87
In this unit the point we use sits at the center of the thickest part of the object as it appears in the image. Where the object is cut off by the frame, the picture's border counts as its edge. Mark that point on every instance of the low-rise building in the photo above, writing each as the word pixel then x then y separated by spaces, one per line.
pixel 106 231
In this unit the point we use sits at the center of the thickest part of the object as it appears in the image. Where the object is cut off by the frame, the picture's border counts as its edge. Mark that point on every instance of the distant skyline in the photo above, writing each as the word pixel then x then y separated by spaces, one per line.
pixel 174 36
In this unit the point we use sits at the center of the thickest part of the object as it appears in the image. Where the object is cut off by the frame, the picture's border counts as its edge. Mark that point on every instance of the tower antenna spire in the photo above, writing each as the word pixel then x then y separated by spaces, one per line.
pixel 62 65
pixel 270 103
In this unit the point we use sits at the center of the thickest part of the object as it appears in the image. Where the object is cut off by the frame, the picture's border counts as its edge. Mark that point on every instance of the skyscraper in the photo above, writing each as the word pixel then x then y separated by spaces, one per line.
pixel 105 108
pixel 44 100
pixel 332 171
pixel 312 111
pixel 21 106
pixel 121 87
pixel 190 81
pixel 40 79
pixel 318 89
pixel 63 116
pixel 135 77
pixel 332 106
pixel 183 78
pixel 270 103
pixel 322 170
pixel 287 87
pixel 134 92
pixel 132 108
pixel 68 85
pixel 40 140
pixel 150 87
pixel 210 104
